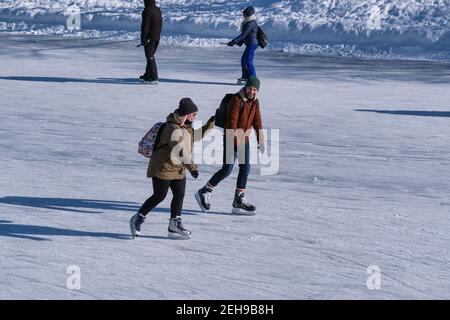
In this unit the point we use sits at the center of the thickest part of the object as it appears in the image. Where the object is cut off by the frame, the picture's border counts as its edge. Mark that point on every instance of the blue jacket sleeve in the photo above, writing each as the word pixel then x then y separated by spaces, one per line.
pixel 248 27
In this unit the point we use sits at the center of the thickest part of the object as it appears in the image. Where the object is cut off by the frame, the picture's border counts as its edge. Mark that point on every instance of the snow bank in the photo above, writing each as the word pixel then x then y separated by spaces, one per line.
pixel 371 27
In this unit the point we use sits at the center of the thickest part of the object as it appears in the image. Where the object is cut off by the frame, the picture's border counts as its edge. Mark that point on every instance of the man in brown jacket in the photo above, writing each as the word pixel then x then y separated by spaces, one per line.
pixel 243 115
pixel 167 167
pixel 150 35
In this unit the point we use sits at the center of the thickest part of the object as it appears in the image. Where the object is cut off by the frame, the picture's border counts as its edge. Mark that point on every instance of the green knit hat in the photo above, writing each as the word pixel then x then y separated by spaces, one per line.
pixel 253 81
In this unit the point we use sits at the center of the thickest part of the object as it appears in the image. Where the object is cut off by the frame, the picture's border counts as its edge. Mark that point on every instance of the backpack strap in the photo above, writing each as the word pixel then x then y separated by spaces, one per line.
pixel 158 138
pixel 241 106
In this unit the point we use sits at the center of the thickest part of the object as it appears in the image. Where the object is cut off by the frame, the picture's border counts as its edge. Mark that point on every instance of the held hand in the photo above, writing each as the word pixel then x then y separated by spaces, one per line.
pixel 212 119
pixel 231 43
pixel 194 174
pixel 261 148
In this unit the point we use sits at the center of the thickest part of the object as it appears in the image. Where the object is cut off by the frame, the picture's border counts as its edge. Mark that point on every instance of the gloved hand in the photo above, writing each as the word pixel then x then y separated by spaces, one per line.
pixel 261 148
pixel 212 119
pixel 145 42
pixel 231 43
pixel 194 174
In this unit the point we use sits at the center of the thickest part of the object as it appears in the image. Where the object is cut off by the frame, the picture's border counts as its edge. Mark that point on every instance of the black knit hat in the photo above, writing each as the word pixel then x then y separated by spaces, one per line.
pixel 186 106
pixel 253 82
pixel 249 11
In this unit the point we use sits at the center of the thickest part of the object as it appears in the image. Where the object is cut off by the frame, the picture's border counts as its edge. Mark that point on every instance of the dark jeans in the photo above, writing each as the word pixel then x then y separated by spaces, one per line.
pixel 151 71
pixel 160 189
pixel 248 68
pixel 227 168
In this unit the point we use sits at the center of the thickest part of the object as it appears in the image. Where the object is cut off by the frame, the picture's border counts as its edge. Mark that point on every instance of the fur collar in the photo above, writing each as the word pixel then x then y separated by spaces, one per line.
pixel 244 96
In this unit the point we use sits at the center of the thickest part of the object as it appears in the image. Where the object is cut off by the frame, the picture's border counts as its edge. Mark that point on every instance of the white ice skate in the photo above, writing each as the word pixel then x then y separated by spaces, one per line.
pixel 177 230
pixel 241 81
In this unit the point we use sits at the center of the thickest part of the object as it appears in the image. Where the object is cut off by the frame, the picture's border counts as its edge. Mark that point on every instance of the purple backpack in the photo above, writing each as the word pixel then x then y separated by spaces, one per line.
pixel 148 143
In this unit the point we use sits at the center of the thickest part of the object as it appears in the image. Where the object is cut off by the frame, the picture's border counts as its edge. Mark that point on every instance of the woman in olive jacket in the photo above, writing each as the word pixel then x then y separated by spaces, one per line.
pixel 167 167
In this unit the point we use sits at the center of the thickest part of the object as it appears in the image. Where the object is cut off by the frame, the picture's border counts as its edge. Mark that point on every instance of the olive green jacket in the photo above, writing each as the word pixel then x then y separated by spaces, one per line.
pixel 173 154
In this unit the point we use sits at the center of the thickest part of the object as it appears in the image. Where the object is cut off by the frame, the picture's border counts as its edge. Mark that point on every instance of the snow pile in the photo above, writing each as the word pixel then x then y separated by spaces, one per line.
pixel 371 26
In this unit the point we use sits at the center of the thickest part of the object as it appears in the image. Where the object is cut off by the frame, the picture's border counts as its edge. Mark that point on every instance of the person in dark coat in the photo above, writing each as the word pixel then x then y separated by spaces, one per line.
pixel 150 34
pixel 249 37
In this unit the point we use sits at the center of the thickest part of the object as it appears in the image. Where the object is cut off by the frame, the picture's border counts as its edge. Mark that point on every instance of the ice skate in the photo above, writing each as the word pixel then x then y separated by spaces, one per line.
pixel 177 230
pixel 241 206
pixel 202 196
pixel 135 224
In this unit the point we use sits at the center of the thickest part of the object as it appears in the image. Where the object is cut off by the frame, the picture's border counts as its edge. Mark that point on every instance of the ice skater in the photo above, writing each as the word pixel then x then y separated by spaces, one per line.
pixel 249 37
pixel 150 35
pixel 243 113
pixel 168 171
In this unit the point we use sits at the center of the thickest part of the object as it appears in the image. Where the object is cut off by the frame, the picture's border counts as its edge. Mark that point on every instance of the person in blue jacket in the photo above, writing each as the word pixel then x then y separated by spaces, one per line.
pixel 248 36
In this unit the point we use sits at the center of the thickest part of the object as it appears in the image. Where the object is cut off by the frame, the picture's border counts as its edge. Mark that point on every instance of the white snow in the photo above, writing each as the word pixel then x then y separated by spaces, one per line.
pixel 413 29
pixel 363 179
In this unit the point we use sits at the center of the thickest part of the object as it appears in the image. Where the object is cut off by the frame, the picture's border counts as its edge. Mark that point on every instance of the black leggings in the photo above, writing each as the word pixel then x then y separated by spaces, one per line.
pixel 160 189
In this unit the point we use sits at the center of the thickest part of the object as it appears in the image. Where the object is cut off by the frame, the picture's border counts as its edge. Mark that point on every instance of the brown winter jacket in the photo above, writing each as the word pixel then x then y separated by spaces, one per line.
pixel 246 118
pixel 151 22
pixel 167 166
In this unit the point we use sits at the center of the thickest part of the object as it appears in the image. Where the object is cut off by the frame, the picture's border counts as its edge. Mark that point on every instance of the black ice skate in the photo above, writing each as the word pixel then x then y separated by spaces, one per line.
pixel 241 206
pixel 151 82
pixel 202 196
pixel 147 80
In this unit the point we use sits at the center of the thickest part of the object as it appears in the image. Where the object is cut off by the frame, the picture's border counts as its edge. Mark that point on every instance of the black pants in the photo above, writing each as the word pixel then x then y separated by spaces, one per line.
pixel 151 71
pixel 160 189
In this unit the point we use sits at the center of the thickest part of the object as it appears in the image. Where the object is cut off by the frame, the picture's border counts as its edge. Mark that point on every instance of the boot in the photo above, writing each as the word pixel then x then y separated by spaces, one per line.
pixel 177 230
pixel 135 224
pixel 241 206
pixel 202 196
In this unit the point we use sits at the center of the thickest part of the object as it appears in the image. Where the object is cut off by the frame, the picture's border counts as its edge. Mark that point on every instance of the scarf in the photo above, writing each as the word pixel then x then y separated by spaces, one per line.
pixel 247 19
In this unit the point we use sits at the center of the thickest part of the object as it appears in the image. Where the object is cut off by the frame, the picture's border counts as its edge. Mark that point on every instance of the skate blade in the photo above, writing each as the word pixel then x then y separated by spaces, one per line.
pixel 241 83
pixel 199 201
pixel 177 236
pixel 239 212
pixel 151 83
